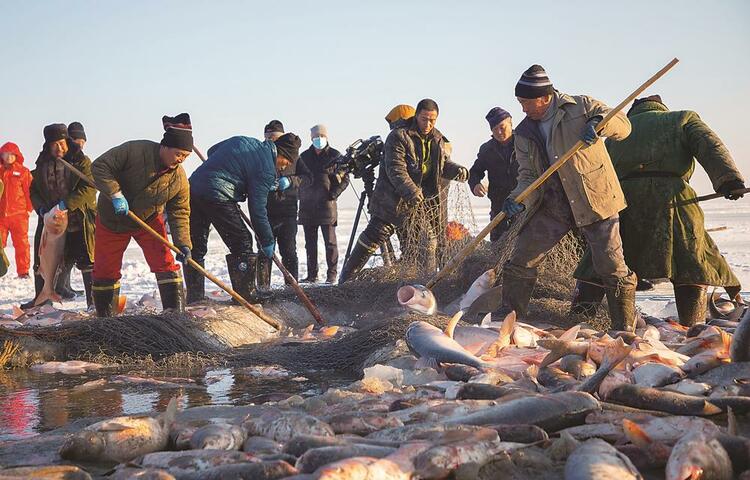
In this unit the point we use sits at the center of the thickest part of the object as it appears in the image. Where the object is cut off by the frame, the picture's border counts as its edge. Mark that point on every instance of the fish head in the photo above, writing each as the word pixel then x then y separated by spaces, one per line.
pixel 84 445
pixel 418 298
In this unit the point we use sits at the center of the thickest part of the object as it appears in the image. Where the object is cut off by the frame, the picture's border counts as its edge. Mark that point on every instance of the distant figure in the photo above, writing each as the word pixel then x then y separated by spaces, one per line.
pixel 15 206
pixel 317 209
pixel 282 214
pixel 660 240
pixel 4 263
pixel 496 157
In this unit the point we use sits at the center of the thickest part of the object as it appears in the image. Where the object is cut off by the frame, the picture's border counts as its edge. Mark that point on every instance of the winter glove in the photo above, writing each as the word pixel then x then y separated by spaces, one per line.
pixel 589 135
pixel 41 211
pixel 415 200
pixel 727 188
pixel 284 183
pixel 61 205
pixel 463 175
pixel 479 190
pixel 120 204
pixel 185 255
pixel 268 250
pixel 511 208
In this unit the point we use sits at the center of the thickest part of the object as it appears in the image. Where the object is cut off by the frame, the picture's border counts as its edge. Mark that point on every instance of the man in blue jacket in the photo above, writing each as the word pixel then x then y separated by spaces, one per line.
pixel 238 168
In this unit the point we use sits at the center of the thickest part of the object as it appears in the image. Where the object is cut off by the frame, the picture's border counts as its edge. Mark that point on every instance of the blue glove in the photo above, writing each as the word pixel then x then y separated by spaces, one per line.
pixel 589 135
pixel 511 208
pixel 269 249
pixel 121 205
pixel 184 256
pixel 62 205
pixel 41 211
pixel 284 183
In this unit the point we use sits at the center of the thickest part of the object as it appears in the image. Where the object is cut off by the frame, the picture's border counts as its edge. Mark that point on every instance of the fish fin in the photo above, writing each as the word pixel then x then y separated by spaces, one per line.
pixel 47 296
pixel 615 352
pixel 532 371
pixel 726 343
pixel 17 313
pixel 509 324
pixel 426 362
pixel 486 321
pixel 636 435
pixel 731 422
pixel 121 301
pixel 571 333
pixel 168 417
pixel 329 331
pixel 451 327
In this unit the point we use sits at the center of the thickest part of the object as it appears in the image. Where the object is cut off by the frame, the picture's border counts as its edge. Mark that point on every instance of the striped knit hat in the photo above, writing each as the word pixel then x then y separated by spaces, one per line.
pixel 534 83
pixel 178 132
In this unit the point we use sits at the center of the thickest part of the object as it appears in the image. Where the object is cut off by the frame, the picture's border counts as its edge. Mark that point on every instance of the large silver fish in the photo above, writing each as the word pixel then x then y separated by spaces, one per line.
pixel 418 298
pixel 433 347
pixel 596 459
pixel 51 250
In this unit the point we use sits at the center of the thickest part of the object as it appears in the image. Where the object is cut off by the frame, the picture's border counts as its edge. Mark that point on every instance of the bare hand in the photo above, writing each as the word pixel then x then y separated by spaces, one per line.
pixel 479 190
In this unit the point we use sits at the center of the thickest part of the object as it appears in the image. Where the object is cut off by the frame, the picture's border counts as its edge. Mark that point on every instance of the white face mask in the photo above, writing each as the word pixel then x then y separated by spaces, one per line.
pixel 320 142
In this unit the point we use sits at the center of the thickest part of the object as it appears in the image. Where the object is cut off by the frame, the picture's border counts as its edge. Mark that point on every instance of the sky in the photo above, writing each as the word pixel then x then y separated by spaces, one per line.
pixel 117 67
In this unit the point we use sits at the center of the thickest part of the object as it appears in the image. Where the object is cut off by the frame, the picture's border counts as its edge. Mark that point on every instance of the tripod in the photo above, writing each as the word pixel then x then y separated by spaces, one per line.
pixel 386 249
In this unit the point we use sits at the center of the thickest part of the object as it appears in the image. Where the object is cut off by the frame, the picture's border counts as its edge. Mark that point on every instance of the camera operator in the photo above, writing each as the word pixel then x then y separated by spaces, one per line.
pixel 411 171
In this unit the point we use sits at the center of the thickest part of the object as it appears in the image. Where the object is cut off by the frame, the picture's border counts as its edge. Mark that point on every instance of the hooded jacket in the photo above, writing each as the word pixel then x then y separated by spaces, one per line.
pixel 17 180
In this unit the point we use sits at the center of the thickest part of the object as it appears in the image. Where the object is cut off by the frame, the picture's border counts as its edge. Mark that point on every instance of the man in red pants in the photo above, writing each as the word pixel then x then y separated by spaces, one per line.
pixel 146 178
pixel 15 205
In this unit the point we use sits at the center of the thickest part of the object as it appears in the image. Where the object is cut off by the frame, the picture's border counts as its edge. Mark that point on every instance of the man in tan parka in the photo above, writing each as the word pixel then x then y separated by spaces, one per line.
pixel 583 194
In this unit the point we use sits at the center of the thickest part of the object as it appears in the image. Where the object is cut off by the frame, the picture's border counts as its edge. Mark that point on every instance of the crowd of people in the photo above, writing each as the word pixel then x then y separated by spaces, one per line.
pixel 622 195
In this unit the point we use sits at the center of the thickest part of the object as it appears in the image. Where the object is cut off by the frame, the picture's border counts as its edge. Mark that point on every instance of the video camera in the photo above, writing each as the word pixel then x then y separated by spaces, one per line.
pixel 361 158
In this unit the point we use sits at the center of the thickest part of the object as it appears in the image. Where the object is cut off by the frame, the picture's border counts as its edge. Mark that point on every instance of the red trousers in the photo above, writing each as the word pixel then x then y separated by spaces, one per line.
pixel 110 246
pixel 18 227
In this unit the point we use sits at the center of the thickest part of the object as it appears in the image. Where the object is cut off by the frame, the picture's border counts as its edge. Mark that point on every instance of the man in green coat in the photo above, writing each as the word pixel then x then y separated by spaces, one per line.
pixel 661 240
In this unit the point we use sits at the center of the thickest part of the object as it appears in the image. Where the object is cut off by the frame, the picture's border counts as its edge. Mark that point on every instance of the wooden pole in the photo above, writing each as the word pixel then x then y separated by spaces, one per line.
pixel 710 196
pixel 287 276
pixel 461 256
pixel 257 312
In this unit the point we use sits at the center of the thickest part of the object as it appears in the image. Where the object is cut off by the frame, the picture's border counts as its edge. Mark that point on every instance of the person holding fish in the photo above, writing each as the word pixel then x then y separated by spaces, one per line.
pixel 662 239
pixel 53 187
pixel 147 178
pixel 15 205
pixel 583 193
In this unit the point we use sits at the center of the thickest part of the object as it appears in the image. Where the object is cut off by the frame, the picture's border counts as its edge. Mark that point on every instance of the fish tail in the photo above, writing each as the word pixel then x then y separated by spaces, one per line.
pixel 170 413
pixel 615 352
pixel 556 352
pixel 451 327
pixel 47 294
pixel 636 435
pixel 571 333
pixel 509 324
pixel 726 343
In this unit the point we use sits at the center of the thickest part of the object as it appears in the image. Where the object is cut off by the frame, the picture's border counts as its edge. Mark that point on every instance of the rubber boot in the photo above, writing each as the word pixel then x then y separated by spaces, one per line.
pixel 242 273
pixel 691 303
pixel 621 304
pixel 106 296
pixel 38 286
pixel 195 284
pixel 86 277
pixel 586 298
pixel 264 273
pixel 171 291
pixel 356 262
pixel 62 283
pixel 516 294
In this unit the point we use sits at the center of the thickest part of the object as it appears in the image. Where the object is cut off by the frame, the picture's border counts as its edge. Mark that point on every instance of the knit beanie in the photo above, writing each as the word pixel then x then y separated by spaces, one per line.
pixel 178 132
pixel 534 83
pixel 274 126
pixel 651 98
pixel 288 146
pixel 400 112
pixel 76 132
pixel 319 130
pixel 55 132
pixel 496 115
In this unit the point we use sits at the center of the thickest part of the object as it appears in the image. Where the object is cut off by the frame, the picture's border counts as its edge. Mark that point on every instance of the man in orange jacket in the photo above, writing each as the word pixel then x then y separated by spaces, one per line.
pixel 15 205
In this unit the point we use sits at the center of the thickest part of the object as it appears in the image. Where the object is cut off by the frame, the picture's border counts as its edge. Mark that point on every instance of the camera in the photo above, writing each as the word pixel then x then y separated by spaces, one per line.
pixel 361 158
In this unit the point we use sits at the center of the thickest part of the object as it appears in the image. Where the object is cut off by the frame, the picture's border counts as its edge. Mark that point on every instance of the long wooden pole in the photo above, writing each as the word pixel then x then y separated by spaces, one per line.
pixel 461 256
pixel 259 313
pixel 287 276
pixel 710 196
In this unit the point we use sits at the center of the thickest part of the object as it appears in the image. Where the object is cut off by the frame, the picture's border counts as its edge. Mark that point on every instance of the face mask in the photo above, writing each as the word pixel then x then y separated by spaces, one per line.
pixel 320 142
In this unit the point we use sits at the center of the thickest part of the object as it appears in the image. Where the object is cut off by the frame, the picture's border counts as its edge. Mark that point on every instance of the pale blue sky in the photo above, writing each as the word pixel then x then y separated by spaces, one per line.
pixel 117 67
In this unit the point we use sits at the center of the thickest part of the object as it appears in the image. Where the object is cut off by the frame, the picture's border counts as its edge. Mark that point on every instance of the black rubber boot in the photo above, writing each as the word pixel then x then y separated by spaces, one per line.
pixel 621 304
pixel 356 261
pixel 691 303
pixel 516 294
pixel 195 284
pixel 62 283
pixel 171 291
pixel 106 295
pixel 586 298
pixel 86 277
pixel 264 273
pixel 38 286
pixel 242 272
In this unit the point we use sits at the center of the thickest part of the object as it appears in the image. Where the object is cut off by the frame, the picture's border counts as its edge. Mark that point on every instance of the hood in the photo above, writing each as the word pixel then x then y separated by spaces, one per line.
pixel 647 106
pixel 11 147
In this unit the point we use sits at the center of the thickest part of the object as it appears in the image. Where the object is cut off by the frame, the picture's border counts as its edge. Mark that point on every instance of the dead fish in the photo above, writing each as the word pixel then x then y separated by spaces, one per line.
pixel 361 423
pixel 643 452
pixel 738 449
pixel 551 412
pixel 654 374
pixel 698 456
pixel 418 298
pixel 441 460
pixel 315 458
pixel 689 387
pixel 709 359
pixel 577 366
pixel 266 470
pixel 459 373
pixel 596 459
pixel 71 367
pixel 484 391
pixel 520 433
pixel 423 431
pixel 740 347
pixel 556 379
pixel 188 462
pixel 88 386
pixel 559 348
pixel 218 436
pixel 660 400
pixel 263 446
pixel 479 341
pixel 283 426
pixel 614 353
pixel 51 472
pixel 610 432
pixel 481 285
pixel 51 249
pixel 180 435
pixel 130 473
pixel 120 439
pixel 143 381
pixel 726 374
pixel 433 347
